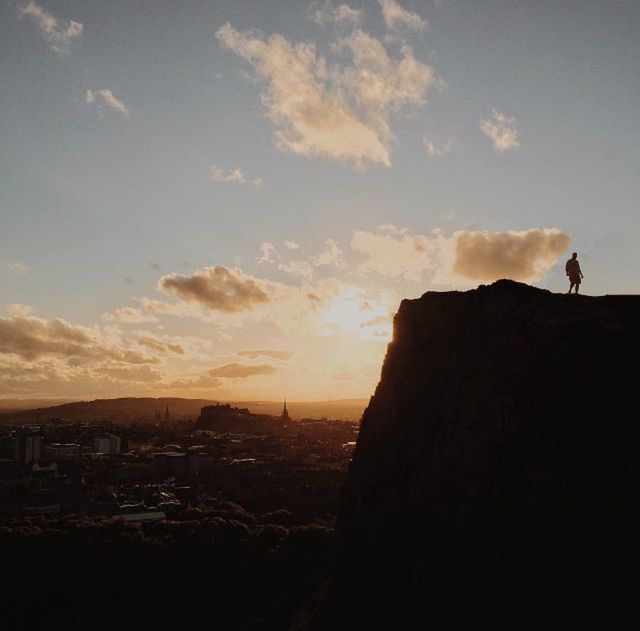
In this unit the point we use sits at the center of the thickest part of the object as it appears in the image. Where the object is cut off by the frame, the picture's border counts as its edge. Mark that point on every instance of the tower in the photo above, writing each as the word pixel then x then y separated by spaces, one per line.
pixel 166 414
pixel 285 413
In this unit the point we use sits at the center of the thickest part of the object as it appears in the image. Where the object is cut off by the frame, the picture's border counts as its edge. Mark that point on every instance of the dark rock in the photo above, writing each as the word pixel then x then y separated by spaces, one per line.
pixel 496 477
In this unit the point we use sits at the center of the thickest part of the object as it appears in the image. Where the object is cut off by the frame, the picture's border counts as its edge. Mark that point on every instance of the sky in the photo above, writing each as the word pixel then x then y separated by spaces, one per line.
pixel 230 199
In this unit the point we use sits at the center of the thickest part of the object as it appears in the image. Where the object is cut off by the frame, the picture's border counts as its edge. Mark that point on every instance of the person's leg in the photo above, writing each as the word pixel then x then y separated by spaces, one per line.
pixel 570 288
pixel 577 287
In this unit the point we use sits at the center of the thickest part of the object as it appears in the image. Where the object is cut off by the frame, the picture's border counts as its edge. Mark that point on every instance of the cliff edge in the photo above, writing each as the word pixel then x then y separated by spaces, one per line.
pixel 496 476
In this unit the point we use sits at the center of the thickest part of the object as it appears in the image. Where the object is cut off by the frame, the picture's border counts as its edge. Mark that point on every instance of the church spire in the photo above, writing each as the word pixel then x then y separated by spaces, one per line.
pixel 285 413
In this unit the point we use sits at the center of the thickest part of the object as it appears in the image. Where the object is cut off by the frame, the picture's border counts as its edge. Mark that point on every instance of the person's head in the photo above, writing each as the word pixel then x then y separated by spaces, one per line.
pixel 575 255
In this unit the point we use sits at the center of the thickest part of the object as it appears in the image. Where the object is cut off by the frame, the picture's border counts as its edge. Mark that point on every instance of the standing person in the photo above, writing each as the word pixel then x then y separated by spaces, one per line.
pixel 572 268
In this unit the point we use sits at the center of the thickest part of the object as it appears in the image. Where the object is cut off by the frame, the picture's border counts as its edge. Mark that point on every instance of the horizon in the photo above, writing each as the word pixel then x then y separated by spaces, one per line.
pixel 234 210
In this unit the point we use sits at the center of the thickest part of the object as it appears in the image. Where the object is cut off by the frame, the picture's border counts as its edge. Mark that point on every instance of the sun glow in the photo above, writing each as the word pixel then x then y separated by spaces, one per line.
pixel 354 311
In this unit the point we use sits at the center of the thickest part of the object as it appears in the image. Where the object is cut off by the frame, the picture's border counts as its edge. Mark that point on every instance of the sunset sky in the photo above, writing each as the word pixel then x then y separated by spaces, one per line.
pixel 230 199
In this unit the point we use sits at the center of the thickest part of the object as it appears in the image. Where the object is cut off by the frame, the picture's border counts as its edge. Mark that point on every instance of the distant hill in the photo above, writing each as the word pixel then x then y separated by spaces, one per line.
pixel 130 409
pixel 13 405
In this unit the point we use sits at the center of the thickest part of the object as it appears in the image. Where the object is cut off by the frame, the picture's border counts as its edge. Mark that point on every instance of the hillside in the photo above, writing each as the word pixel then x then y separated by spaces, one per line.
pixel 144 410
pixel 496 478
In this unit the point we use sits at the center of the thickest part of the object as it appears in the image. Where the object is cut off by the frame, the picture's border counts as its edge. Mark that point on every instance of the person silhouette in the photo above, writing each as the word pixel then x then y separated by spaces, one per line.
pixel 572 268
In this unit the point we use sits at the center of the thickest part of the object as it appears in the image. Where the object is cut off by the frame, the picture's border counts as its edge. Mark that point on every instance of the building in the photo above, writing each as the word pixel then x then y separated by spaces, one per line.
pixel 63 451
pixel 285 413
pixel 28 445
pixel 107 444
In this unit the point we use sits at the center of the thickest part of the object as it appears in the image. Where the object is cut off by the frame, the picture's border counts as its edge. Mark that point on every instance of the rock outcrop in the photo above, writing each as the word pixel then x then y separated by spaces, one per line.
pixel 496 477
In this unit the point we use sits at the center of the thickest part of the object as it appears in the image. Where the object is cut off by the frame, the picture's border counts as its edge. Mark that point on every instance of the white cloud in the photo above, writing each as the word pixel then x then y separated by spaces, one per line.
pixel 236 175
pixel 267 253
pixel 59 37
pixel 437 150
pixel 502 132
pixel 331 255
pixel 106 98
pixel 396 16
pixel 327 13
pixel 342 112
pixel 16 267
pixel 17 309
pixel 292 245
pixel 397 254
pixel 300 268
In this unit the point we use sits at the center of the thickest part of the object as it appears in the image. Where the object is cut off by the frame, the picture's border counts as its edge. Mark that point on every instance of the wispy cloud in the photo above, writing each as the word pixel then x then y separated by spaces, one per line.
pixel 300 268
pixel 128 315
pixel 217 174
pixel 502 132
pixel 16 267
pixel 58 36
pixel 282 355
pixel 341 14
pixel 267 253
pixel 436 150
pixel 160 345
pixel 18 309
pixel 241 371
pixel 396 16
pixel 105 97
pixel 342 112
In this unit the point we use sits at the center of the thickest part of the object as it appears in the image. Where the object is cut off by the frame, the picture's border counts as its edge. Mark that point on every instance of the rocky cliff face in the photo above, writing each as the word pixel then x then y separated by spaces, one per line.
pixel 496 477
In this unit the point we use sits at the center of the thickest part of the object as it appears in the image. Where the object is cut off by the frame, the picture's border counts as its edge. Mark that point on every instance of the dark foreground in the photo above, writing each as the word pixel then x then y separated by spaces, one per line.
pixel 496 479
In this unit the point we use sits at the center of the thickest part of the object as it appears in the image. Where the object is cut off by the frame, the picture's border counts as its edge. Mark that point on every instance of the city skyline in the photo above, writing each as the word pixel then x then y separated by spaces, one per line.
pixel 229 201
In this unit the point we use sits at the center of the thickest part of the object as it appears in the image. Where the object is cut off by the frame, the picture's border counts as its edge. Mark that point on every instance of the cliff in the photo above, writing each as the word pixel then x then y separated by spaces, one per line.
pixel 495 478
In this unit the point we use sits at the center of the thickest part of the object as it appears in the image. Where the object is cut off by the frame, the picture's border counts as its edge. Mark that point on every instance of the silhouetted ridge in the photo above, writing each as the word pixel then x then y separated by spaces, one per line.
pixel 495 480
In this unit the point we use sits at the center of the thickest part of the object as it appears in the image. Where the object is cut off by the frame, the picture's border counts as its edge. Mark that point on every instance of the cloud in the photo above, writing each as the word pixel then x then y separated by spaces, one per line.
pixel 59 37
pixel 31 338
pixel 140 374
pixel 331 255
pixel 160 346
pixel 16 267
pixel 464 256
pixel 236 175
pixel 396 16
pixel 292 245
pixel 17 309
pixel 203 382
pixel 267 252
pixel 241 371
pixel 342 14
pixel 217 288
pixel 342 112
pixel 502 132
pixel 105 97
pixel 282 355
pixel 300 268
pixel 397 254
pixel 524 256
pixel 129 315
pixel 437 150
